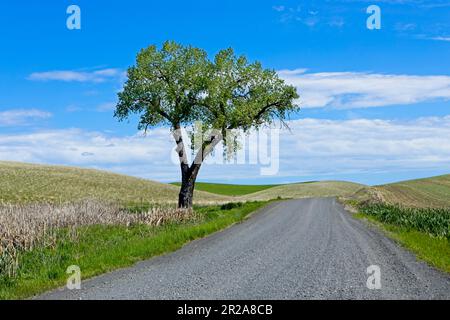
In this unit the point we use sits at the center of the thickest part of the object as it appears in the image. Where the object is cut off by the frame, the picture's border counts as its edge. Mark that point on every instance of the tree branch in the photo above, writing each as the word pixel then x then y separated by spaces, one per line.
pixel 265 109
pixel 181 150
pixel 206 149
pixel 257 116
pixel 158 109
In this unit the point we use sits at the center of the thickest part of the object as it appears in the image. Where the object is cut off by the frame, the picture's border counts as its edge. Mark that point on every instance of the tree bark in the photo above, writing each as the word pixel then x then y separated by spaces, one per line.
pixel 189 177
pixel 189 173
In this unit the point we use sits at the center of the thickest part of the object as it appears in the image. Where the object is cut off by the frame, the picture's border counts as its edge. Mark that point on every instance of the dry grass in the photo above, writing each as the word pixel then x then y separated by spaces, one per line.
pixel 23 227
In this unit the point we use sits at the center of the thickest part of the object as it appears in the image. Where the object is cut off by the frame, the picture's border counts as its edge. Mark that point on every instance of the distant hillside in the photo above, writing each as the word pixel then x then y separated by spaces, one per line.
pixel 21 183
pixel 307 190
pixel 429 192
pixel 229 189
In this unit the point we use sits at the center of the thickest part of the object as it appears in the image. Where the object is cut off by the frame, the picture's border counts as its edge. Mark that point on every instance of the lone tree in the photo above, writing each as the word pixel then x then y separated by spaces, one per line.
pixel 178 86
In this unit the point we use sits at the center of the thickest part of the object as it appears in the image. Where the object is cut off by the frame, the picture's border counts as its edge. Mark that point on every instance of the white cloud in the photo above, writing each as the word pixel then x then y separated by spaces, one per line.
pixel 138 154
pixel 441 39
pixel 363 89
pixel 314 147
pixel 362 145
pixel 20 117
pixel 77 76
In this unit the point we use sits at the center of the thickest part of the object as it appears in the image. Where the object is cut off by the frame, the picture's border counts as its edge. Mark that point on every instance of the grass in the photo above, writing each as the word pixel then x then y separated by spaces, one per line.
pixel 433 250
pixel 30 183
pixel 229 189
pixel 101 248
pixel 415 213
pixel 24 227
pixel 424 231
pixel 431 221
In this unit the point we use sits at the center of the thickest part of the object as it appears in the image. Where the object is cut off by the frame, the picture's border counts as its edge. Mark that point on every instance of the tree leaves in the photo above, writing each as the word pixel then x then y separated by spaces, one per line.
pixel 178 85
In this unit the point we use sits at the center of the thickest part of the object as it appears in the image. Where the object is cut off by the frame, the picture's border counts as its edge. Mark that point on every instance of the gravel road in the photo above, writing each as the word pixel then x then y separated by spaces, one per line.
pixel 297 249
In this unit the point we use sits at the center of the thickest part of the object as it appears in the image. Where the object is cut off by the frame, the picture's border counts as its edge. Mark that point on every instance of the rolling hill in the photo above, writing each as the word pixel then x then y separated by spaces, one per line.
pixel 425 193
pixel 307 190
pixel 24 183
pixel 229 189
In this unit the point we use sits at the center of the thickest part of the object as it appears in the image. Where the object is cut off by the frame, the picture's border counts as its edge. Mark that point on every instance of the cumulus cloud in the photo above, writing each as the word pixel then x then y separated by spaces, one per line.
pixel 364 89
pixel 20 117
pixel 97 76
pixel 140 155
pixel 313 147
pixel 362 145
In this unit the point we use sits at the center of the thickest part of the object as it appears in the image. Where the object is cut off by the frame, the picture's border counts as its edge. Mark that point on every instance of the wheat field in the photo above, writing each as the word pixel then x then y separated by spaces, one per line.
pixel 431 192
pixel 31 183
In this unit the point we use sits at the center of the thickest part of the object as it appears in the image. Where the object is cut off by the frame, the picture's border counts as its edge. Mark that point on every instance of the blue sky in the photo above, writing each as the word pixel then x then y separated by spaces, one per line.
pixel 375 102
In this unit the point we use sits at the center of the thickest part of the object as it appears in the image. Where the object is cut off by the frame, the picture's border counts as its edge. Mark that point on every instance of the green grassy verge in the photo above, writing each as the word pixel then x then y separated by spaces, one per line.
pixel 101 249
pixel 426 246
pixel 229 189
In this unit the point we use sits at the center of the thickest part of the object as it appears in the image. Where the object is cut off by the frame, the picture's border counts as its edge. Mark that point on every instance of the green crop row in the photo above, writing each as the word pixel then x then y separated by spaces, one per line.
pixel 435 222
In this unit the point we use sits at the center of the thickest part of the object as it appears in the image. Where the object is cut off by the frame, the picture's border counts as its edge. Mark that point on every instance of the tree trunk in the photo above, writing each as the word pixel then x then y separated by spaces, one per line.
pixel 189 176
pixel 186 195
pixel 189 173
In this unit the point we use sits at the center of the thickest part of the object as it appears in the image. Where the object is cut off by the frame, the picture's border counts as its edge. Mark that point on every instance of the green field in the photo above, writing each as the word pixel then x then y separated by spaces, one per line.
pixel 287 191
pixel 229 189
